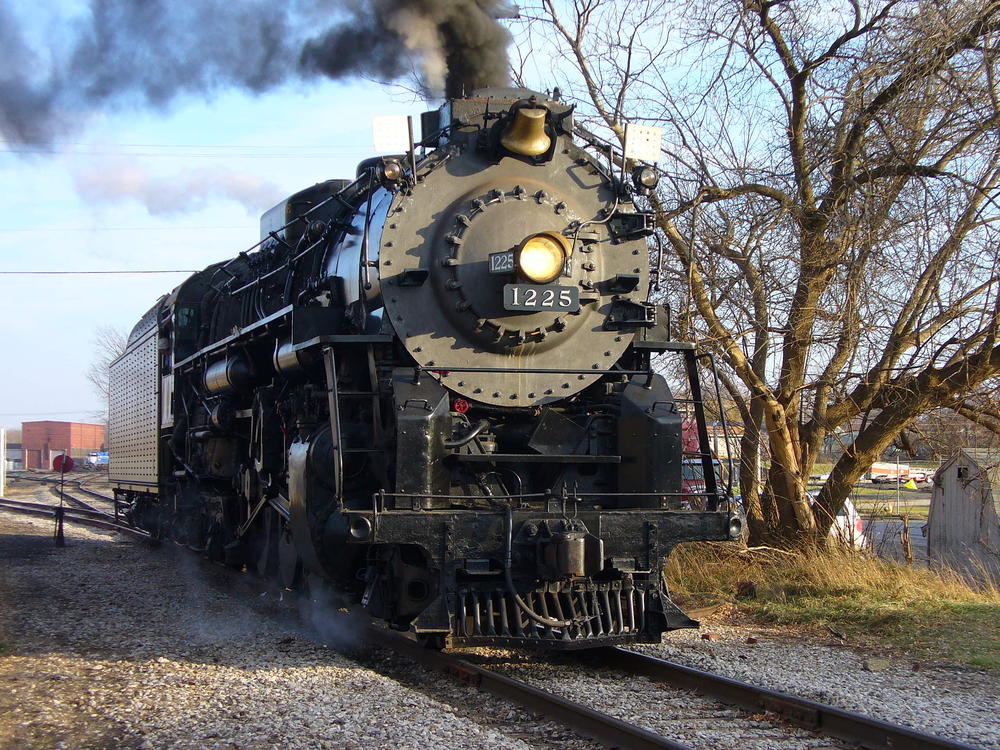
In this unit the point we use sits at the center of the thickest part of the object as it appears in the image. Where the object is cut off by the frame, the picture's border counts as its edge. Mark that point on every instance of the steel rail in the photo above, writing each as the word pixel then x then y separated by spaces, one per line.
pixel 96 518
pixel 93 493
pixel 77 483
pixel 866 731
pixel 63 495
pixel 583 719
pixel 30 505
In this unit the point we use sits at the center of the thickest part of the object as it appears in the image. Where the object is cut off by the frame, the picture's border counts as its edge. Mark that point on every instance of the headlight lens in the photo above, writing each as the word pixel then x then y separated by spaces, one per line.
pixel 645 177
pixel 541 258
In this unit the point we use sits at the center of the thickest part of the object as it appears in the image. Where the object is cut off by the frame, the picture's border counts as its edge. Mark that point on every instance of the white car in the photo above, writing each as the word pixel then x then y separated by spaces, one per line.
pixel 848 527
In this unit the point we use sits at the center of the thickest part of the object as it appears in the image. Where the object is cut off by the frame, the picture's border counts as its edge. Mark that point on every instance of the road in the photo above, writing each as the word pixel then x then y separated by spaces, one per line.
pixel 884 535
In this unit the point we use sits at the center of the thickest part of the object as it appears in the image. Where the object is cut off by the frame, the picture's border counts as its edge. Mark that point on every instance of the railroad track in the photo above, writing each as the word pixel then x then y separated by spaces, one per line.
pixel 88 515
pixel 855 729
pixel 78 484
pixel 92 493
pixel 70 498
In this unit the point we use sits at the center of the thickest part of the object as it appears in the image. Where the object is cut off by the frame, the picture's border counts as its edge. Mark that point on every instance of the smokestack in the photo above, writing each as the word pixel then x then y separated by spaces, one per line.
pixel 147 53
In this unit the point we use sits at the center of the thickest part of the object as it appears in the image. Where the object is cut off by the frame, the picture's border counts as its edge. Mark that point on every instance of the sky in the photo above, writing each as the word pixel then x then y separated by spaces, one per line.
pixel 138 189
pixel 94 178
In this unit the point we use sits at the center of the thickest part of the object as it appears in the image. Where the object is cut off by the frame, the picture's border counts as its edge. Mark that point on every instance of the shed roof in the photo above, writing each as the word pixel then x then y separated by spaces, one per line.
pixel 988 463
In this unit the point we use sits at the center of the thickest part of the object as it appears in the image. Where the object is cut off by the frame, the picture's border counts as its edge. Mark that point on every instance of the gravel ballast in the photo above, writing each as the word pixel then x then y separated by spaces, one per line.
pixel 959 703
pixel 108 643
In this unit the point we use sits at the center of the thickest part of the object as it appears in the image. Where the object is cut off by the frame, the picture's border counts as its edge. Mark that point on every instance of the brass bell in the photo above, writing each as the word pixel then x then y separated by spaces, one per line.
pixel 526 133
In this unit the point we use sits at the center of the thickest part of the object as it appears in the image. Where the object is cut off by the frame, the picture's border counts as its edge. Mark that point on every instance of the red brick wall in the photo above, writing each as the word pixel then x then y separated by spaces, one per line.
pixel 41 439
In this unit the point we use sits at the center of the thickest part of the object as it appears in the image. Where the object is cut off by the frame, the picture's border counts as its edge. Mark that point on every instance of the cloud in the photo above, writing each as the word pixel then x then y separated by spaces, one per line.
pixel 170 195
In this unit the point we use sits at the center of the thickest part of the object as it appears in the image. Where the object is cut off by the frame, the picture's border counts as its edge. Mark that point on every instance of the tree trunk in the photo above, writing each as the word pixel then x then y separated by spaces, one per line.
pixel 750 484
pixel 784 482
pixel 866 449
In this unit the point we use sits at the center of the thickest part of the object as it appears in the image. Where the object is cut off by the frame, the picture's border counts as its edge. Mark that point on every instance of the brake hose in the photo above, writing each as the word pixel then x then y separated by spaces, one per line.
pixel 521 604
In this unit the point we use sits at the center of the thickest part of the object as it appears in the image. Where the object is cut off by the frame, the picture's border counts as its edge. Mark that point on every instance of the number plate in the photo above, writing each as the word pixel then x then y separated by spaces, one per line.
pixel 502 262
pixel 532 297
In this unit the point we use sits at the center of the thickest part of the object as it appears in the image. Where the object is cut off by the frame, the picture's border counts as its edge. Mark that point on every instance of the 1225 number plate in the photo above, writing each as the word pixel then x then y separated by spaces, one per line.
pixel 530 297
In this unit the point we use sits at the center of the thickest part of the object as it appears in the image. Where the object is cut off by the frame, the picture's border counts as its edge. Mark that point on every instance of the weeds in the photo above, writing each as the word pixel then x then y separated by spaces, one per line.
pixel 928 613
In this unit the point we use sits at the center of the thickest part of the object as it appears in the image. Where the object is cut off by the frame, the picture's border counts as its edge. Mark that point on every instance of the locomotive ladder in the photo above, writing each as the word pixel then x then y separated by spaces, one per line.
pixel 335 395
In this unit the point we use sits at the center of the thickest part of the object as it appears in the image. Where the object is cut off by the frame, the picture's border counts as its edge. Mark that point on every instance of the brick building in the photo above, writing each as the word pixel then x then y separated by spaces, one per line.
pixel 43 441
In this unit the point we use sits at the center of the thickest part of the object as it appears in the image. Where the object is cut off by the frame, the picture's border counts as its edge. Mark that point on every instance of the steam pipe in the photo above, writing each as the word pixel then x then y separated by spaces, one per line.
pixel 468 437
pixel 365 280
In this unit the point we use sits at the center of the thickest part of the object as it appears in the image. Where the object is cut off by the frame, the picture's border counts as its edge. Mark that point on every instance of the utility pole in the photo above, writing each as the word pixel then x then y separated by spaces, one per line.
pixel 3 462
pixel 897 482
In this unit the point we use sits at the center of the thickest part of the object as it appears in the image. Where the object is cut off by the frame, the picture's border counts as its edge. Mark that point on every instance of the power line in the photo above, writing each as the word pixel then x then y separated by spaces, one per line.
pixel 124 229
pixel 78 412
pixel 80 273
pixel 332 152
pixel 273 146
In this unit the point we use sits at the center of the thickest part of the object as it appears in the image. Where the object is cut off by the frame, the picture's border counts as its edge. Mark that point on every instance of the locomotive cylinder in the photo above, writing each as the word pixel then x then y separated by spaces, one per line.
pixel 231 374
pixel 286 360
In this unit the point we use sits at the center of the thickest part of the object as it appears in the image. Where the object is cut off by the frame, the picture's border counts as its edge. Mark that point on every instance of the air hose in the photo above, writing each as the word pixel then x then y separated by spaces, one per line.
pixel 521 604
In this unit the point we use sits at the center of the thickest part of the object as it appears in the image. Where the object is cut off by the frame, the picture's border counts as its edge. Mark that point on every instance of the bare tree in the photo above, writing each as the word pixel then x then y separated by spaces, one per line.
pixel 109 344
pixel 832 174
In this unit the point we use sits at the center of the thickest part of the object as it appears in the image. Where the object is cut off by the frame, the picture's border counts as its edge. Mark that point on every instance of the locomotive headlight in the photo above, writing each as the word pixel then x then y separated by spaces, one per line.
pixel 541 257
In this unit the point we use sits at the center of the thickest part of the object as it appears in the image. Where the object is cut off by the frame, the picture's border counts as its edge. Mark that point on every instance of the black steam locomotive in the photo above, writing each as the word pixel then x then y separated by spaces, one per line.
pixel 430 388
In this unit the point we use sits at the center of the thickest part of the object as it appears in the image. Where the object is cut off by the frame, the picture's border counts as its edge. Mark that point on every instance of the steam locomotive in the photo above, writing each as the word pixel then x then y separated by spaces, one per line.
pixel 431 388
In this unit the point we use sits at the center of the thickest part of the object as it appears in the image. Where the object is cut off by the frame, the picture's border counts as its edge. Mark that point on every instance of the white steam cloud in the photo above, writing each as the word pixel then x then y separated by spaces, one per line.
pixel 185 192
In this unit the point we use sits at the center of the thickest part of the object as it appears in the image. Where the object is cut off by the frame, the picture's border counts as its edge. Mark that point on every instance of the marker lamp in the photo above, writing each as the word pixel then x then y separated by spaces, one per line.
pixel 645 177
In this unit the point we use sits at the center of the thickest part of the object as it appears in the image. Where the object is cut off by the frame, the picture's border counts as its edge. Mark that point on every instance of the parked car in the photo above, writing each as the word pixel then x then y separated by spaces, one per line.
pixel 848 527
pixel 693 475
pixel 693 480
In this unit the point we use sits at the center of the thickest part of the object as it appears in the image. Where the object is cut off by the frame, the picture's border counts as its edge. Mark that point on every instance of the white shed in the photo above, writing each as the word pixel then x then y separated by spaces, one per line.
pixel 963 527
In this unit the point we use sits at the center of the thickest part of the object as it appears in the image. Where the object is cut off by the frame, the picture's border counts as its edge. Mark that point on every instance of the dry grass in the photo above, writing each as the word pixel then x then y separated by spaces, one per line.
pixel 931 614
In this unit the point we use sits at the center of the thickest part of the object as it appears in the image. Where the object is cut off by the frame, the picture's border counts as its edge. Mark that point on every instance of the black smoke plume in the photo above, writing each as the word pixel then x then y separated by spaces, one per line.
pixel 146 53
pixel 460 43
